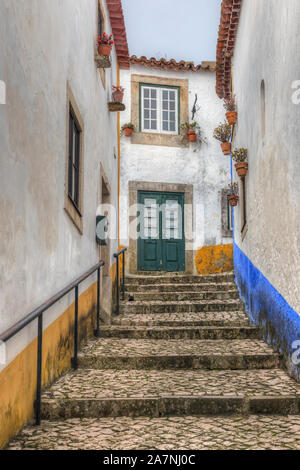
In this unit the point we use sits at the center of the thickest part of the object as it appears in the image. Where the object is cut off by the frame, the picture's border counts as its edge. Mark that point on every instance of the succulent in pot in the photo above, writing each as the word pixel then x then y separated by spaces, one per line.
pixel 190 130
pixel 105 43
pixel 240 157
pixel 118 94
pixel 127 129
pixel 233 197
pixel 222 133
pixel 231 115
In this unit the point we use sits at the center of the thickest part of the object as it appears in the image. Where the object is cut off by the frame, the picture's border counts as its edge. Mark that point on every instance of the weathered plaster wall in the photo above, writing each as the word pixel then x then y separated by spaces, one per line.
pixel 267 49
pixel 41 49
pixel 43 46
pixel 206 168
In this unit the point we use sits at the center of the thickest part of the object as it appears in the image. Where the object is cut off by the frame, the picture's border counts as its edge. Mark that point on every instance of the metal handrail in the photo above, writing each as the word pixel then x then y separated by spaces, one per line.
pixel 117 256
pixel 38 314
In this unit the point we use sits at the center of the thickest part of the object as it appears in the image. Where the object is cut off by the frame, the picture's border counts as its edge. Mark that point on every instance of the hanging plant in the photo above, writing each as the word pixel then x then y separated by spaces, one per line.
pixel 105 44
pixel 222 133
pixel 233 197
pixel 230 107
pixel 240 157
pixel 127 129
pixel 118 94
pixel 190 130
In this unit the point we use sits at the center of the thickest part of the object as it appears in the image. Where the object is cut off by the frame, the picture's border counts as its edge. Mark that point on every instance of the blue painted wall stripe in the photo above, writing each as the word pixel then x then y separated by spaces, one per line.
pixel 267 308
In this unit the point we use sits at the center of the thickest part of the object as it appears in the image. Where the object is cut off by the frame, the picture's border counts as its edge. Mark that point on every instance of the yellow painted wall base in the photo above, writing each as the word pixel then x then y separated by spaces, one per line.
pixel 18 379
pixel 214 259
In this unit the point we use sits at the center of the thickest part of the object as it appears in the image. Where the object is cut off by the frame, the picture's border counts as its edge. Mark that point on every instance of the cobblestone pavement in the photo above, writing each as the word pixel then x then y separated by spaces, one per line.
pixel 182 433
pixel 211 379
pixel 148 347
pixel 91 384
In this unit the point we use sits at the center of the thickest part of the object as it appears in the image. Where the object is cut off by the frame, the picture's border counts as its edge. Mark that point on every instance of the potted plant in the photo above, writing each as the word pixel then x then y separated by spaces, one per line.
pixel 127 129
pixel 105 44
pixel 190 130
pixel 118 94
pixel 222 133
pixel 230 107
pixel 240 157
pixel 233 197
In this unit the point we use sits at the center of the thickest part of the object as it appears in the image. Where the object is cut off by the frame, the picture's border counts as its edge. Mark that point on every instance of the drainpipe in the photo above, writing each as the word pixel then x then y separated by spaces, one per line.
pixel 119 157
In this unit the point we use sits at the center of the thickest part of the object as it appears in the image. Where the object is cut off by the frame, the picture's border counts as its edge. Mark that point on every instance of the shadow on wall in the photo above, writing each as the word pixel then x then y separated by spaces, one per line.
pixel 214 259
pixel 268 309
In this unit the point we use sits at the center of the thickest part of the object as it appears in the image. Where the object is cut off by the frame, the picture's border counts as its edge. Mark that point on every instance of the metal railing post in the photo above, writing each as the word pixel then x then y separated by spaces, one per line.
pixel 97 330
pixel 75 358
pixel 118 287
pixel 123 277
pixel 39 371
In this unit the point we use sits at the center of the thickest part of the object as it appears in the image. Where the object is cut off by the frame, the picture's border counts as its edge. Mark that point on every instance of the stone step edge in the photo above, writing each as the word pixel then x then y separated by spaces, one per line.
pixel 202 332
pixel 193 362
pixel 53 409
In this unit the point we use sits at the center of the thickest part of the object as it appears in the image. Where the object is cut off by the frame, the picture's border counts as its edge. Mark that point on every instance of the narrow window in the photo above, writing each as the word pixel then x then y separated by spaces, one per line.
pixel 227 222
pixel 263 108
pixel 229 217
pixel 244 204
pixel 159 109
pixel 74 159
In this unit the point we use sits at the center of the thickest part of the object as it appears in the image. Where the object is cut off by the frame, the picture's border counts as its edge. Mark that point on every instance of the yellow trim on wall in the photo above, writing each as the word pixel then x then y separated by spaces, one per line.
pixel 214 259
pixel 18 379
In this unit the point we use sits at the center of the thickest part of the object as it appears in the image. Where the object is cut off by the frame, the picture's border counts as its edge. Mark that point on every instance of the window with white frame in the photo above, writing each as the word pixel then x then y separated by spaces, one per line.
pixel 159 109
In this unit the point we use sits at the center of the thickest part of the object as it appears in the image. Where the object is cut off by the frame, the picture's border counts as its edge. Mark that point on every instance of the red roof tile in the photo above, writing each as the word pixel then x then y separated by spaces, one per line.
pixel 117 22
pixel 172 64
pixel 230 15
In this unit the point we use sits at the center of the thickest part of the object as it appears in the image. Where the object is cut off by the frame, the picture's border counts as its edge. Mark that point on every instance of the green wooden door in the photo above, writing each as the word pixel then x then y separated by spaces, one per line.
pixel 161 245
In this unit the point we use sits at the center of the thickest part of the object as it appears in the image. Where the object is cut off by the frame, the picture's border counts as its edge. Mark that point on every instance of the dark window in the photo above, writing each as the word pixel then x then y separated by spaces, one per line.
pixel 244 205
pixel 74 160
pixel 227 222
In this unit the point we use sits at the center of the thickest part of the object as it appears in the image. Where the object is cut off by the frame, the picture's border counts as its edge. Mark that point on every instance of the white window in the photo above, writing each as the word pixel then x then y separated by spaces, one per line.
pixel 159 109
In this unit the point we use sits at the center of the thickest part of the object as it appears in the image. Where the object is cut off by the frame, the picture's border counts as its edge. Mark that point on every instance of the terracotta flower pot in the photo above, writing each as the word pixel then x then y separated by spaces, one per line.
pixel 192 136
pixel 241 169
pixel 104 49
pixel 233 200
pixel 118 96
pixel 231 117
pixel 226 148
pixel 127 131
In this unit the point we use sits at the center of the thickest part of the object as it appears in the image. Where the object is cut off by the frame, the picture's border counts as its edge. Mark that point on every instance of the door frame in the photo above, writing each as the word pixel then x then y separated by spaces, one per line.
pixel 161 246
pixel 187 189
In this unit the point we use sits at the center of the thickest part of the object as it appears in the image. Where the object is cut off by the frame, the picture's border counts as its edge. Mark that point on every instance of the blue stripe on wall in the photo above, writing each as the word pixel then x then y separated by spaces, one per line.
pixel 268 309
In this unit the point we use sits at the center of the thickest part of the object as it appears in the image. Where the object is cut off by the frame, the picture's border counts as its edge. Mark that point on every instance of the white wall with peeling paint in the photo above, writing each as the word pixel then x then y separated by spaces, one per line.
pixel 267 48
pixel 44 45
pixel 205 167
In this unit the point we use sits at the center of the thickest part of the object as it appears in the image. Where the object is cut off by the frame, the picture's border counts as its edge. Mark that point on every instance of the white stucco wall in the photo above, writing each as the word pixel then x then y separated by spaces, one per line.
pixel 267 48
pixel 206 168
pixel 43 45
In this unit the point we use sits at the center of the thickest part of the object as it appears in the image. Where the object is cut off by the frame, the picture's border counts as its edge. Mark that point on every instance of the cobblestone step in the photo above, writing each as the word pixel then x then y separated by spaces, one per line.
pixel 93 393
pixel 185 306
pixel 186 332
pixel 181 278
pixel 178 354
pixel 171 287
pixel 182 296
pixel 230 319
pixel 254 432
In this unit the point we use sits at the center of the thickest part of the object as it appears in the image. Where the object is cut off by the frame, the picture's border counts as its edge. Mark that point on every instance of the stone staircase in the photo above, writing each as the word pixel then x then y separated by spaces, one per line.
pixel 182 347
